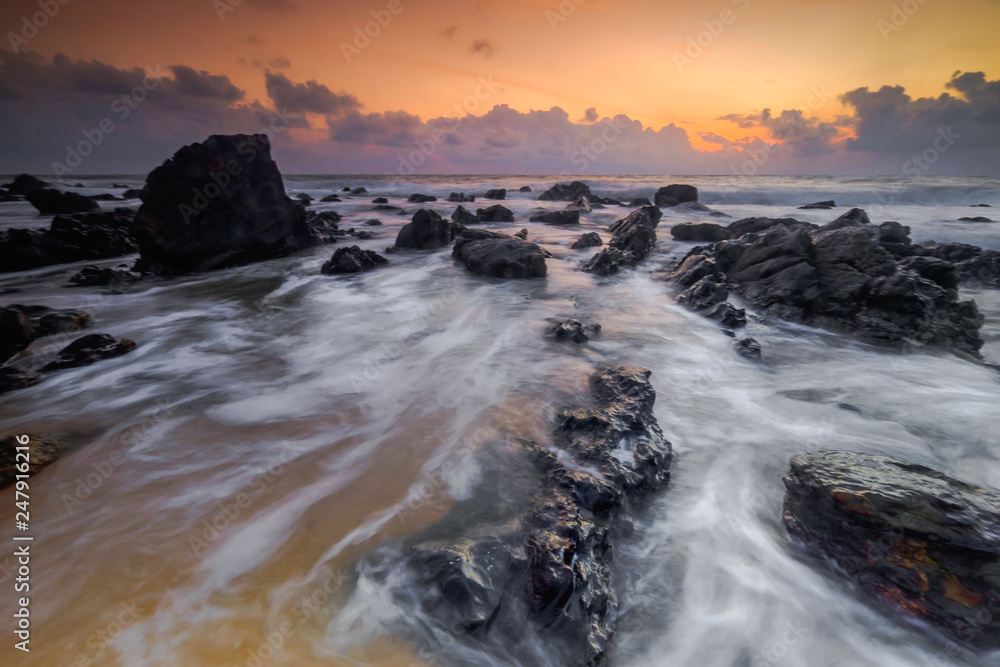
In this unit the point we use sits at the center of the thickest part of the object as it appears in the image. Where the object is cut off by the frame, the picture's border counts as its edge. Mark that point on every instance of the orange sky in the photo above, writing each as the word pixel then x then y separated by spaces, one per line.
pixel 618 56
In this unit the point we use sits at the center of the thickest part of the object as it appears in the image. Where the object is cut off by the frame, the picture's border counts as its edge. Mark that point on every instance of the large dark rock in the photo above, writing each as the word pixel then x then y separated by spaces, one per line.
pixel 465 217
pixel 841 277
pixel 495 213
pixel 672 195
pixel 499 256
pixel 218 204
pixel 427 231
pixel 974 265
pixel 49 201
pixel 565 217
pixel 75 238
pixel 555 560
pixel 89 350
pixel 566 192
pixel 16 332
pixel 573 330
pixel 353 260
pixel 498 193
pixel 920 544
pixel 820 205
pixel 634 239
pixel 25 184
pixel 461 197
pixel 47 321
pixel 421 199
pixel 699 232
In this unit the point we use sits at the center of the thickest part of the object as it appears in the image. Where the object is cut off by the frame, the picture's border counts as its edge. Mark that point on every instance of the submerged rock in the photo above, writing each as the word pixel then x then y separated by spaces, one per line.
pixel 497 255
pixel 978 218
pixel 218 204
pixel 495 213
pixel 353 260
pixel 16 332
pixel 12 379
pixel 634 239
pixel 588 240
pixel 50 201
pixel 461 197
pixel 427 231
pixel 922 545
pixel 89 350
pixel 555 560
pixel 750 349
pixel 565 217
pixel 566 192
pixel 573 330
pixel 47 321
pixel 820 205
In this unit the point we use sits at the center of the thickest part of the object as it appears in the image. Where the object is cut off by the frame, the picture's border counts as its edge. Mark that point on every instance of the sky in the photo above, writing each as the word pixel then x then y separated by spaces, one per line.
pixel 570 87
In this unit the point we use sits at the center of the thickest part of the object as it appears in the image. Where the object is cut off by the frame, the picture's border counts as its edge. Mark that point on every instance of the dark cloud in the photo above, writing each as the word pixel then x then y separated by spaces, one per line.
pixel 309 97
pixel 392 128
pixel 482 47
pixel 449 32
pixel 590 116
pixel 807 137
pixel 202 84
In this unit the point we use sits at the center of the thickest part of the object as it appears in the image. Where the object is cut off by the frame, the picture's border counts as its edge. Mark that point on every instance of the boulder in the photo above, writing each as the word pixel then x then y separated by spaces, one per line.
pixel 498 193
pixel 132 193
pixel 523 234
pixel 524 188
pixel 330 199
pixel 43 451
pixel 974 265
pixel 25 184
pixel 552 566
pixel 47 321
pixel 749 349
pixel 588 240
pixel 421 199
pixel 89 350
pixel 978 218
pixel 50 201
pixel 566 192
pixel 75 238
pixel 464 216
pixel 699 232
pixel 728 315
pixel 380 200
pixel 558 217
pixel 672 195
pixel 820 205
pixel 841 277
pixel 12 379
pixel 218 204
pixel 461 198
pixel 427 231
pixel 357 192
pixel 353 260
pixel 373 222
pixel 497 255
pixel 573 331
pixel 16 332
pixel 920 544
pixel 389 208
pixel 495 213
pixel 93 276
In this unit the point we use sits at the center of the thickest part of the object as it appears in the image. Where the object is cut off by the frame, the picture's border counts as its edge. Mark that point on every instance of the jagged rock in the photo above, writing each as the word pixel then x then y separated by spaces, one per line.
pixel 918 543
pixel 218 204
pixel 357 192
pixel 25 184
pixel 573 330
pixel 820 205
pixel 588 240
pixel 499 256
pixel 634 239
pixel 498 193
pixel 672 195
pixel 936 270
pixel 566 192
pixel 523 234
pixel 974 265
pixel 353 260
pixel 640 201
pixel 728 315
pixel 330 199
pixel 16 332
pixel 421 199
pixel 704 294
pixel 50 201
pixel 524 188
pixel 93 276
pixel 75 238
pixel 12 379
pixel 495 213
pixel 461 197
pixel 700 232
pixel 464 216
pixel 556 561
pixel 89 350
pixel 841 277
pixel 427 231
pixel 558 217
pixel 749 348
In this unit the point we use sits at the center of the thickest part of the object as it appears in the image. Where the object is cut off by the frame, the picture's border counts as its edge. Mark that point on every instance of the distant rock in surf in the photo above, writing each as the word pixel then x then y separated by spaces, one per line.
pixel 89 350
pixel 353 260
pixel 566 192
pixel 75 238
pixel 497 255
pixel 427 231
pixel 699 232
pixel 498 193
pixel 25 184
pixel 574 331
pixel 672 195
pixel 820 205
pixel 50 201
pixel 558 217
pixel 495 213
pixel 461 197
pixel 978 218
pixel 464 216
